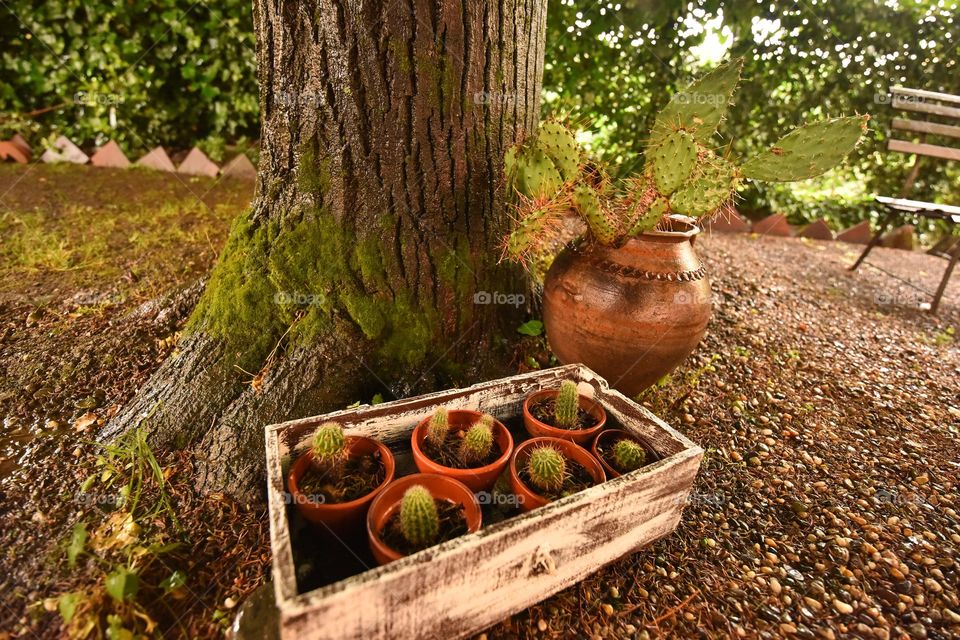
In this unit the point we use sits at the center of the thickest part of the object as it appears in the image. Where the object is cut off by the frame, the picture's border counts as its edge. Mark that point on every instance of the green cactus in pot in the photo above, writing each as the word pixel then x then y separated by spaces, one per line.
pixel 682 173
pixel 547 468
pixel 477 442
pixel 329 445
pixel 628 455
pixel 566 405
pixel 419 519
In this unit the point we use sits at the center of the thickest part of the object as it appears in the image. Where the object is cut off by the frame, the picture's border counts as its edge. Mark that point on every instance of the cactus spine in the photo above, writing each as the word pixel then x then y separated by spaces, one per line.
pixel 547 468
pixel 328 445
pixel 566 405
pixel 438 428
pixel 598 218
pixel 478 441
pixel 419 520
pixel 628 455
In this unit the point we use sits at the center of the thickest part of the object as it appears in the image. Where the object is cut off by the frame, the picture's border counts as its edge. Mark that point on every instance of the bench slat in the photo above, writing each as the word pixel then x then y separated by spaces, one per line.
pixel 932 150
pixel 933 128
pixel 925 95
pixel 908 104
pixel 944 211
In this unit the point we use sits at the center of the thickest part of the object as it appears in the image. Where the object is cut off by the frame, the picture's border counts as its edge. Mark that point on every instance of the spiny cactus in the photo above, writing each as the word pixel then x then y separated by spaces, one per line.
pixel 438 428
pixel 547 468
pixel 419 520
pixel 478 441
pixel 329 444
pixel 538 223
pixel 628 455
pixel 566 405
pixel 682 173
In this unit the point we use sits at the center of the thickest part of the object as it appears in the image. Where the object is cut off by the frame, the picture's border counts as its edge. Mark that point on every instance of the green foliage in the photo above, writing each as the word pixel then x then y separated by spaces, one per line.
pixel 122 584
pixel 171 71
pixel 438 427
pixel 478 441
pixel 531 328
pixel 547 468
pixel 628 455
pixel 419 520
pixel 566 405
pixel 329 444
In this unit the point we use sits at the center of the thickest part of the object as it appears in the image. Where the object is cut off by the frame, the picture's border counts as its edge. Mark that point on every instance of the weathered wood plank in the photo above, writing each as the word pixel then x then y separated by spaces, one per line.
pixel 920 126
pixel 925 95
pixel 464 585
pixel 907 103
pixel 932 150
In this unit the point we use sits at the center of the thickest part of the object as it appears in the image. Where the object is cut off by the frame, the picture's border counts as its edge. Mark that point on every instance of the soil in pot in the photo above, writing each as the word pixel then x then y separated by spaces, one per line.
pixel 358 477
pixel 453 524
pixel 545 410
pixel 449 454
pixel 577 480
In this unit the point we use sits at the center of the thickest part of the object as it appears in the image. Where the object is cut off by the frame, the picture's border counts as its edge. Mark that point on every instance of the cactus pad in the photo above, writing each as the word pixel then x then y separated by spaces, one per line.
pixel 419 520
pixel 714 184
pixel 598 218
pixel 547 468
pixel 648 219
pixel 807 151
pixel 672 161
pixel 701 107
pixel 536 175
pixel 560 145
pixel 566 405
pixel 477 442
pixel 329 444
pixel 438 428
pixel 628 455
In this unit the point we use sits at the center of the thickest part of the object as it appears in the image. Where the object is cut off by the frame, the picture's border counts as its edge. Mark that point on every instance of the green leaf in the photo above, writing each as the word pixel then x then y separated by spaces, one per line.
pixel 377 399
pixel 807 151
pixel 122 584
pixel 67 605
pixel 174 581
pixel 78 539
pixel 531 328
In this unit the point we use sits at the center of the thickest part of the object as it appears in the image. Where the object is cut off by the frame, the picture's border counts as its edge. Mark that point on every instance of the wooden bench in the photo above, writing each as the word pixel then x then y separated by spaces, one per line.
pixel 945 107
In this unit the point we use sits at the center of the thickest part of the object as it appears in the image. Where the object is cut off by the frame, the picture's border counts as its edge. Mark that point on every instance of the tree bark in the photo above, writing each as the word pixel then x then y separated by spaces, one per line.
pixel 378 214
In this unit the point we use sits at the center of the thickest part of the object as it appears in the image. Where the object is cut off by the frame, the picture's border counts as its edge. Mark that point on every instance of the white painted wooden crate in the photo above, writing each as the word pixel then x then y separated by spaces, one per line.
pixel 465 585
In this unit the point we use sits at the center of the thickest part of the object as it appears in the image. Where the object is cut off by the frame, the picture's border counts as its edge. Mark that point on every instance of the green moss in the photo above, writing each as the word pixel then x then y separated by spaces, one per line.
pixel 399 50
pixel 314 172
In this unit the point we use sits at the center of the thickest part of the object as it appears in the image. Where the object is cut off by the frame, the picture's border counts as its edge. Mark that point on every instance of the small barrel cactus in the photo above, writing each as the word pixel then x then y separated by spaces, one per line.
pixel 628 455
pixel 438 428
pixel 478 441
pixel 329 444
pixel 547 468
pixel 566 405
pixel 419 521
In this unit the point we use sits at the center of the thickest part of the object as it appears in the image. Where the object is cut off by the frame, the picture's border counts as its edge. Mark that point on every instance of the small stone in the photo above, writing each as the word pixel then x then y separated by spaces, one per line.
pixel 607 608
pixel 542 625
pixel 775 586
pixel 787 629
pixel 952 615
pixel 922 479
pixel 709 542
pixel 842 607
pixel 614 592
pixel 229 603
pixel 932 585
pixel 754 461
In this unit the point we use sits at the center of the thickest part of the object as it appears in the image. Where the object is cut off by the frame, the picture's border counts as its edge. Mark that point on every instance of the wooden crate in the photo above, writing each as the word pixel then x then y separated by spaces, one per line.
pixel 465 585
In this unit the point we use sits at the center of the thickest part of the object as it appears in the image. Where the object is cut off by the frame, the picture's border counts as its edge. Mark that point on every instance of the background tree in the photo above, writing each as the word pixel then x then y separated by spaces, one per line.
pixel 379 206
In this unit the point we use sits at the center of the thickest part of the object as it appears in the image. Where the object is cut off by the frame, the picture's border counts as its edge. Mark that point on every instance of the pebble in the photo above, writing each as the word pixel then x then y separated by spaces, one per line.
pixel 932 585
pixel 607 608
pixel 775 586
pixel 542 624
pixel 842 607
pixel 952 615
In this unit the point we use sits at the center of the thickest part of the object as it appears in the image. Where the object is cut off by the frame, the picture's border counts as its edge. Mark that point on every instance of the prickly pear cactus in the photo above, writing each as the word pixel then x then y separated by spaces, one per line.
pixel 566 405
pixel 547 468
pixel 538 224
pixel 560 145
pixel 477 442
pixel 598 219
pixel 329 444
pixel 438 428
pixel 672 161
pixel 419 520
pixel 714 184
pixel 537 174
pixel 648 219
pixel 701 107
pixel 628 455
pixel 807 151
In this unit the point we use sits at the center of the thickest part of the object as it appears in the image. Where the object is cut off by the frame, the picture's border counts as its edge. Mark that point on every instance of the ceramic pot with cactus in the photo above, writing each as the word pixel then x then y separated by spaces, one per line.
pixel 545 469
pixel 563 413
pixel 465 445
pixel 419 511
pixel 621 452
pixel 630 298
pixel 333 483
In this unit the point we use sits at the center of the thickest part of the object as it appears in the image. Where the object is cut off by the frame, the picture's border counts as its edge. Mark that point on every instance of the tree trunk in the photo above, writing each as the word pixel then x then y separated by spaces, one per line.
pixel 378 214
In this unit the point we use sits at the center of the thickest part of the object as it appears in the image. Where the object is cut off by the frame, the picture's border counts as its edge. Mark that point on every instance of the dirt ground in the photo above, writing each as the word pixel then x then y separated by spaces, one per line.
pixel 828 406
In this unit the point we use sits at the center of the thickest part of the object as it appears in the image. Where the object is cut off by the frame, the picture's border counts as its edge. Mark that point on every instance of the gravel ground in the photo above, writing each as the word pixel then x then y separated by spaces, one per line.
pixel 825 507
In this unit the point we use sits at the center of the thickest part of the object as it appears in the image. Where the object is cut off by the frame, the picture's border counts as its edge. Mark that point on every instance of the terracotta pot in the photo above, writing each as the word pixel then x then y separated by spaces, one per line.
pixel 344 517
pixel 388 502
pixel 631 313
pixel 479 478
pixel 536 428
pixel 608 438
pixel 528 498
